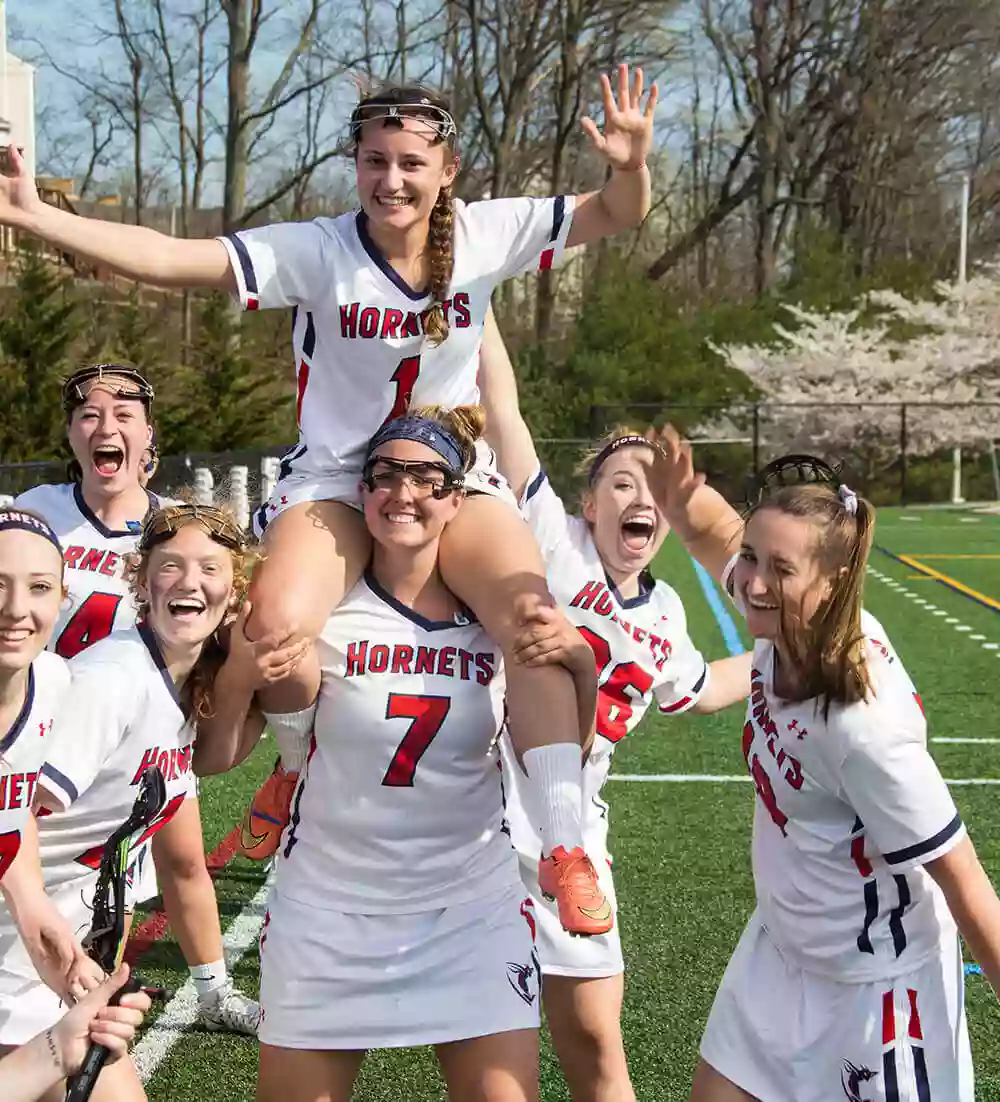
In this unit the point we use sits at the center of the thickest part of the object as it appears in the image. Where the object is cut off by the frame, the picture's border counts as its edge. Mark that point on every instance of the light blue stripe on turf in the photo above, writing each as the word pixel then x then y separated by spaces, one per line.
pixel 730 633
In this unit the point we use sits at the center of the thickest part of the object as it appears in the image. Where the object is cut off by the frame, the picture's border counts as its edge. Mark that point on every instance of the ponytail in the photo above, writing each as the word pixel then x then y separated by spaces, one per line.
pixel 441 259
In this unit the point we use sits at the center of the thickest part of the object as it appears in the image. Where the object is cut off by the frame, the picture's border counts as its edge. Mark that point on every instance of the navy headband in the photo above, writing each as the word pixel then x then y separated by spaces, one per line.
pixel 609 450
pixel 14 519
pixel 423 431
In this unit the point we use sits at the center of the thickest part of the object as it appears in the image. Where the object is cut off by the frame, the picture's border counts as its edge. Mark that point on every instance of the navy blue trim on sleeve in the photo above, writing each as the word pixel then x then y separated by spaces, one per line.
pixel 918 849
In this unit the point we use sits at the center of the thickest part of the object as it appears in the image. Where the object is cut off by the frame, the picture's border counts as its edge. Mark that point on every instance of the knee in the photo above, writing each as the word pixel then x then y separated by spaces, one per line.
pixel 596 1054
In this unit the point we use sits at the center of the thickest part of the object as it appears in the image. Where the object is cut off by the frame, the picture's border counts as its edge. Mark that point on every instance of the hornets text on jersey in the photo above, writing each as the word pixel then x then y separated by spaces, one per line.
pixel 399 807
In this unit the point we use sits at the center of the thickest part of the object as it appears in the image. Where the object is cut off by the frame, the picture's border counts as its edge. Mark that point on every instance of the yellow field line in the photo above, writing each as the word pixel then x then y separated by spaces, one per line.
pixel 959 587
pixel 924 558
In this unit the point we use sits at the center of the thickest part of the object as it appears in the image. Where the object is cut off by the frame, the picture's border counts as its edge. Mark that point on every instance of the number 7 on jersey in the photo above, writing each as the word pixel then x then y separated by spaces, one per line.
pixel 426 715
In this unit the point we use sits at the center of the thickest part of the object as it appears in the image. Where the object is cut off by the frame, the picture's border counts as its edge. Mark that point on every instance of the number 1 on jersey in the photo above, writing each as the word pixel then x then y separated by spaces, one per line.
pixel 427 714
pixel 405 378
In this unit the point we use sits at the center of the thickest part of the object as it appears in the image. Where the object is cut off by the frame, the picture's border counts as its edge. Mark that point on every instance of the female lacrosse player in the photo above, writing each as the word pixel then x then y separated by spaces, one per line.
pixel 32 684
pixel 45 1060
pixel 398 917
pixel 849 973
pixel 598 567
pixel 390 303
pixel 131 704
pixel 98 515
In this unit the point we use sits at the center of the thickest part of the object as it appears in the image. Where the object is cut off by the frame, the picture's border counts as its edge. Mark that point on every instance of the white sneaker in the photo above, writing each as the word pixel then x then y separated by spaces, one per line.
pixel 227 1010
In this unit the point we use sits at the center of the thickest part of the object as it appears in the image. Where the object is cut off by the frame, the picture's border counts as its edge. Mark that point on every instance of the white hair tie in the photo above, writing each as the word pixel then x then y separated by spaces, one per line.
pixel 849 499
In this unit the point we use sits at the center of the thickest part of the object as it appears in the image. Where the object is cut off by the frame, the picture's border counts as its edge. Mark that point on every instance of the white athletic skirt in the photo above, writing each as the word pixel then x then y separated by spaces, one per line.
pixel 788 1035
pixel 560 953
pixel 306 485
pixel 331 980
pixel 27 1006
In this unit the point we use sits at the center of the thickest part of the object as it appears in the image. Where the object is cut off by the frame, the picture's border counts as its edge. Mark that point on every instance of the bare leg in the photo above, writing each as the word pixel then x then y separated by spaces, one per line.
pixel 584 1017
pixel 710 1086
pixel 502 1067
pixel 314 553
pixel 305 1075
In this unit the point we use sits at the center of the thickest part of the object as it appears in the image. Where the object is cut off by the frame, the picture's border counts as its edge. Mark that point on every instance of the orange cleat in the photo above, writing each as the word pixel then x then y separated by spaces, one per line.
pixel 267 815
pixel 570 880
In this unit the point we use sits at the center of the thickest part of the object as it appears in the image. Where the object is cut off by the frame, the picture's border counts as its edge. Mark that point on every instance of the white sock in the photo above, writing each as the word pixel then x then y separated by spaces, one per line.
pixel 208 977
pixel 555 773
pixel 291 731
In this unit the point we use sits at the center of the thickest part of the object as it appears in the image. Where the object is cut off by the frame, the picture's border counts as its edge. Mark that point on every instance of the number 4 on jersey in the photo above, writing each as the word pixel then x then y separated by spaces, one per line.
pixel 426 715
pixel 92 621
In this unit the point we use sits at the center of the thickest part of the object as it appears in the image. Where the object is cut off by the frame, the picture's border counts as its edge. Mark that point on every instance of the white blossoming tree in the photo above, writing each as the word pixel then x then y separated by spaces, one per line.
pixel 845 376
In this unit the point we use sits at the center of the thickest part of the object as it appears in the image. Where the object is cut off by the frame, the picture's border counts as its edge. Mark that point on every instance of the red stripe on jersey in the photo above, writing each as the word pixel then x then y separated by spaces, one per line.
pixel 253 302
pixel 858 856
pixel 666 709
pixel 888 1019
pixel 545 262
pixel 915 1032
pixel 302 382
pixel 920 703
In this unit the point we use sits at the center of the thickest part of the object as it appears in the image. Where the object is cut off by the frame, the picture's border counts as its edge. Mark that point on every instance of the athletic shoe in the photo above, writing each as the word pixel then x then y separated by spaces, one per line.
pixel 226 1010
pixel 570 880
pixel 267 815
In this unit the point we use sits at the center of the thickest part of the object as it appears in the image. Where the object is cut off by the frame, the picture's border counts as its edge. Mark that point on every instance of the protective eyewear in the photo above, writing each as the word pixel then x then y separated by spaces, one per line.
pixel 426 479
pixel 437 118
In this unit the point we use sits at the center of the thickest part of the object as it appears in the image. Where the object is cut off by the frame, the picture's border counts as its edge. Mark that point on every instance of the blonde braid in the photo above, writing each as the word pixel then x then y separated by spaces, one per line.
pixel 440 239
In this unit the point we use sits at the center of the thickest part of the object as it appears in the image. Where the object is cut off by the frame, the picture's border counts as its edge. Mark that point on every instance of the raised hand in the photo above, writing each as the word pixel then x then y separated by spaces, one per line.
pixel 670 472
pixel 18 196
pixel 628 127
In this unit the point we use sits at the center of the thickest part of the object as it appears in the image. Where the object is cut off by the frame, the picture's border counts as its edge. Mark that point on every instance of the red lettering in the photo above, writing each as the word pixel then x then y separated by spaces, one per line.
pixel 16 784
pixel 378 660
pixel 425 660
pixel 109 564
pixel 148 759
pixel 411 326
pixel 604 605
pixel 762 782
pixel 368 326
pixel 585 598
pixel 402 656
pixel 3 790
pixel 92 560
pixel 356 653
pixel 72 555
pixel 446 658
pixel 485 668
pixel 163 763
pixel 460 304
pixel 349 321
pixel 391 320
pixel 465 660
pixel 29 780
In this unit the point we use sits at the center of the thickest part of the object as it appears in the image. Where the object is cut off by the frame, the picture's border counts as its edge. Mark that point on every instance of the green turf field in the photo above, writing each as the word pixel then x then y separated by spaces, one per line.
pixel 681 847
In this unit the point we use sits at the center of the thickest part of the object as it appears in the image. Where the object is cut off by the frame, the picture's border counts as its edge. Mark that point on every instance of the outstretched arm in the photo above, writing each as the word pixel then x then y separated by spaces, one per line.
pixel 728 683
pixel 624 200
pixel 133 251
pixel 506 431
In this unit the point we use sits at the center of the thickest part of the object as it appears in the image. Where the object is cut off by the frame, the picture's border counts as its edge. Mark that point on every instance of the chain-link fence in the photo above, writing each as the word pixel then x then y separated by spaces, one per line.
pixel 894 452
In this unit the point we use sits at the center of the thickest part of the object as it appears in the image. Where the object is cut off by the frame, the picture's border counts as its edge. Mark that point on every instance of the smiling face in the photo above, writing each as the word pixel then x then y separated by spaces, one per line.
pixel 779 573
pixel 31 594
pixel 110 438
pixel 187 582
pixel 402 511
pixel 401 170
pixel 627 528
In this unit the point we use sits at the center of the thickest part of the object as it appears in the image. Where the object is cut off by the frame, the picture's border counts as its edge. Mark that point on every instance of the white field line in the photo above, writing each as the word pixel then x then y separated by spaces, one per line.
pixel 182 1011
pixel 740 778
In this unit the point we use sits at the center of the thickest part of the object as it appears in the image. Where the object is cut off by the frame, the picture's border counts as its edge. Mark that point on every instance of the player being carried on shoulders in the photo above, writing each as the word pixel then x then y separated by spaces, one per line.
pixel 390 303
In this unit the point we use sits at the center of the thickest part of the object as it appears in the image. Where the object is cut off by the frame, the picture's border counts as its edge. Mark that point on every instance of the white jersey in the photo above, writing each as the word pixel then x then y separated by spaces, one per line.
pixel 641 647
pixel 358 334
pixel 23 749
pixel 119 716
pixel 849 809
pixel 99 598
pixel 399 808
